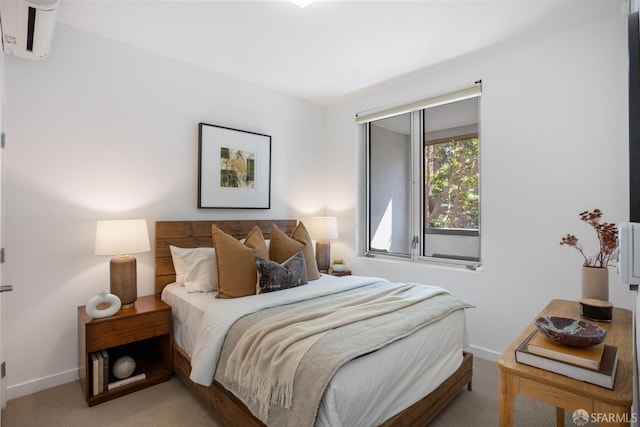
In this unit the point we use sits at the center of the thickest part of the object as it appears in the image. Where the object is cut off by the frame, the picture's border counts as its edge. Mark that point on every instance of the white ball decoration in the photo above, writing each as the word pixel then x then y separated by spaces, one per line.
pixel 124 367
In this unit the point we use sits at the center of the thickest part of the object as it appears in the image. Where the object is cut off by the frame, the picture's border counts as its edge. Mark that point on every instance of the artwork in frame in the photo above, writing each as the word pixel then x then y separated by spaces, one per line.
pixel 234 168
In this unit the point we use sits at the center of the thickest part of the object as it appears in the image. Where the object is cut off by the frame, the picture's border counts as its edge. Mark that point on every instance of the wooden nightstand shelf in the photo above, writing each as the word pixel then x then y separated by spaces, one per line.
pixel 142 332
pixel 340 273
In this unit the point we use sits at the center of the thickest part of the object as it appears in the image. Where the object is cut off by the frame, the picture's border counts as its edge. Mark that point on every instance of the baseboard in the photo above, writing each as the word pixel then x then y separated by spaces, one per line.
pixel 34 386
pixel 483 353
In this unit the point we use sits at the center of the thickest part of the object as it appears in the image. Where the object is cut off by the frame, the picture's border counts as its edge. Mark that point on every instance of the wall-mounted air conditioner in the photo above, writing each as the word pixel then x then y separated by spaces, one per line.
pixel 629 253
pixel 27 27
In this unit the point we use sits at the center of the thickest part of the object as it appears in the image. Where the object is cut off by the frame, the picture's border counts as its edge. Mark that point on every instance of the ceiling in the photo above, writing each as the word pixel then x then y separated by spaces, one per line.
pixel 329 50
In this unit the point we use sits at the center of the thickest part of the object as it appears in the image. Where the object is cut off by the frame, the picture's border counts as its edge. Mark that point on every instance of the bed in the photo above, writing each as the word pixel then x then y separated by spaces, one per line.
pixel 345 401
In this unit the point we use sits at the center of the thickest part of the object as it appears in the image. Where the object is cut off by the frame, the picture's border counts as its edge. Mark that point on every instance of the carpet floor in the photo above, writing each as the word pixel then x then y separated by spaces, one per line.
pixel 171 404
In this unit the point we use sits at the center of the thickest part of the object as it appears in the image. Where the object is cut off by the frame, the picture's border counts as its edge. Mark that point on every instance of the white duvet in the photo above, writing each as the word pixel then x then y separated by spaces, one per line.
pixel 365 391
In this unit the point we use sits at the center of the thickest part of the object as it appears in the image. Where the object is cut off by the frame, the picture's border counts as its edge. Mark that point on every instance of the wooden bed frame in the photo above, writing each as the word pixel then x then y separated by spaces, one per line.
pixel 191 234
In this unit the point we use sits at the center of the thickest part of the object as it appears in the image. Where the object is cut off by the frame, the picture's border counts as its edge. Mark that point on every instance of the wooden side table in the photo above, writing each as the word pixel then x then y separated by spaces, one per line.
pixel 563 392
pixel 143 332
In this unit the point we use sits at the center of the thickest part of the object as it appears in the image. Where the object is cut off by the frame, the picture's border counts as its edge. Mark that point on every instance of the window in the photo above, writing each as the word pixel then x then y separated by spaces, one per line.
pixel 422 179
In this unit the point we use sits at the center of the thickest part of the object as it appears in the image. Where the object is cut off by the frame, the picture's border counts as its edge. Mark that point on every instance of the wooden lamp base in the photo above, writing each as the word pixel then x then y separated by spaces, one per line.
pixel 124 279
pixel 323 249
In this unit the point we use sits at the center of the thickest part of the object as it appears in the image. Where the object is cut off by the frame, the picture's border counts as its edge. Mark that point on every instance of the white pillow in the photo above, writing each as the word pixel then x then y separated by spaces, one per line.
pixel 195 268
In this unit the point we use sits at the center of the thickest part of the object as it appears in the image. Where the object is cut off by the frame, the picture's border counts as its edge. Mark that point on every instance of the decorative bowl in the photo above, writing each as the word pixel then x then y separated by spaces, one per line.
pixel 571 332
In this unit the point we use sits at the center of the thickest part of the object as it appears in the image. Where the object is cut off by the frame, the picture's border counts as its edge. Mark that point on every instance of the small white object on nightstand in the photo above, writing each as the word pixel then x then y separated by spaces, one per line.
pixel 103 297
pixel 338 268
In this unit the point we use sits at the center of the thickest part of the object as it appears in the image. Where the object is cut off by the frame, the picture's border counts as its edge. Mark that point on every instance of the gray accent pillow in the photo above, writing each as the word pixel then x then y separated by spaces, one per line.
pixel 274 277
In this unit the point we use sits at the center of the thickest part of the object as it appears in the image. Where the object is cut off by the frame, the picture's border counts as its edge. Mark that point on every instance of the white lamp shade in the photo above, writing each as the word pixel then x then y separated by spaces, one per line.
pixel 323 228
pixel 122 237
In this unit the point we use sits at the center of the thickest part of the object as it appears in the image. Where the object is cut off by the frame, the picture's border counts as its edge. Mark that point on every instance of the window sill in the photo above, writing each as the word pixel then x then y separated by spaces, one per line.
pixel 446 263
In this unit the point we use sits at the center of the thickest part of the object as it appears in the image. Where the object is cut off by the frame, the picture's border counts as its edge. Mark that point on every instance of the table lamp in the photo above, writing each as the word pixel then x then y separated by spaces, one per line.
pixel 322 229
pixel 122 238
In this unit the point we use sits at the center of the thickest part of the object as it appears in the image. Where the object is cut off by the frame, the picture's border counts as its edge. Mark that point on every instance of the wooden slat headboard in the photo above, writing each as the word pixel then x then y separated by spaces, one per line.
pixel 195 234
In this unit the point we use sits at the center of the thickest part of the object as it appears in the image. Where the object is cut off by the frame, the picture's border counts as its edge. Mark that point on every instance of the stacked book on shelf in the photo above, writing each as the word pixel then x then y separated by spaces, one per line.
pixel 596 365
pixel 101 380
pixel 129 380
pixel 99 370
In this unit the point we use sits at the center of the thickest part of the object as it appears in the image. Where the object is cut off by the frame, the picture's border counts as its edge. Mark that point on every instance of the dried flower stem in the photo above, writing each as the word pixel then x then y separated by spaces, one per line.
pixel 607 236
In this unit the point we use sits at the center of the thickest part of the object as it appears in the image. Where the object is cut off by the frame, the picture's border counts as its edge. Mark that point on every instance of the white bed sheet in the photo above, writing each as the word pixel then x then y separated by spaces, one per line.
pixel 365 391
pixel 187 310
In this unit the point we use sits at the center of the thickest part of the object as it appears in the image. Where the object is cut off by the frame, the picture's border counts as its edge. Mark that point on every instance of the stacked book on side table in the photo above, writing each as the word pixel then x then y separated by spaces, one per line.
pixel 596 365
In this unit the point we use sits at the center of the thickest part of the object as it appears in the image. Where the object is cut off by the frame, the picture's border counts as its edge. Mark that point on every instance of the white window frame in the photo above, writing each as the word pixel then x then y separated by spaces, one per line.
pixel 417 202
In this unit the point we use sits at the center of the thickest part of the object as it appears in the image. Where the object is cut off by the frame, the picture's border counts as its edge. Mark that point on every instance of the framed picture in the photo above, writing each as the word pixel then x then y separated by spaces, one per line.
pixel 234 168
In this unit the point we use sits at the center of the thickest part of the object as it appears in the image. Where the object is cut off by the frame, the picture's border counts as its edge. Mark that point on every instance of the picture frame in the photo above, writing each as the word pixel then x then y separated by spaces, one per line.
pixel 234 168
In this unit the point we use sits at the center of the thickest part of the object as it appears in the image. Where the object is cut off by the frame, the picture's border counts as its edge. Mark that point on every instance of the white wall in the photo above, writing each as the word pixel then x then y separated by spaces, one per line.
pixel 553 143
pixel 100 130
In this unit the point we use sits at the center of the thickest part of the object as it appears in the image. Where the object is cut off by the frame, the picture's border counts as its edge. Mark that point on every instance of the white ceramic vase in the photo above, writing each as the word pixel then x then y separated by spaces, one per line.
pixel 103 297
pixel 595 283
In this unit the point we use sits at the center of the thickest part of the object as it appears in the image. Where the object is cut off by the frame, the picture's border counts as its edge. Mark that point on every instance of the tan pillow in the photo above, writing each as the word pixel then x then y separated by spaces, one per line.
pixel 302 235
pixel 283 247
pixel 236 262
pixel 255 240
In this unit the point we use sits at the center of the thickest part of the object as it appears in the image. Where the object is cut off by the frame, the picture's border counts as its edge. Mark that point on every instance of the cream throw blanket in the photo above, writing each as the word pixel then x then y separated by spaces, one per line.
pixel 264 361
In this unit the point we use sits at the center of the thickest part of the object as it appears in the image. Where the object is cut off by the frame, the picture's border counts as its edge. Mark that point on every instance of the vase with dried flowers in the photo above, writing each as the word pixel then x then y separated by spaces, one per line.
pixel 595 275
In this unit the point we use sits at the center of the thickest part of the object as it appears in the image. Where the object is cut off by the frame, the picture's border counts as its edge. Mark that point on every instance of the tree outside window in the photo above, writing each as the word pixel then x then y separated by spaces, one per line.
pixel 451 172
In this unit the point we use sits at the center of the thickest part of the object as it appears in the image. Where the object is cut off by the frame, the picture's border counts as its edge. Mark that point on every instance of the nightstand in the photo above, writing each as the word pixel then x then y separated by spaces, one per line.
pixel 340 273
pixel 142 332
pixel 564 392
